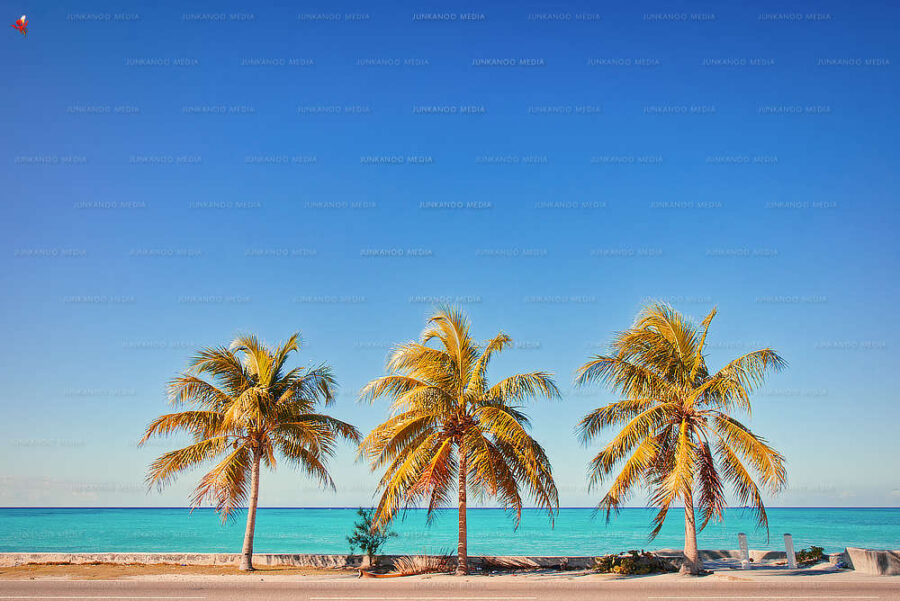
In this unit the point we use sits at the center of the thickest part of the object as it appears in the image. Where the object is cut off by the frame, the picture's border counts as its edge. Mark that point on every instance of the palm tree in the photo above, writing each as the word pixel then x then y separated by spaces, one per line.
pixel 253 408
pixel 449 426
pixel 679 439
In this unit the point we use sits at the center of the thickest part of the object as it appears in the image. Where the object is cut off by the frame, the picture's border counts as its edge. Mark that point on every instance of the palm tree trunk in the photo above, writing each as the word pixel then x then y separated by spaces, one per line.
pixel 247 553
pixel 462 553
pixel 692 564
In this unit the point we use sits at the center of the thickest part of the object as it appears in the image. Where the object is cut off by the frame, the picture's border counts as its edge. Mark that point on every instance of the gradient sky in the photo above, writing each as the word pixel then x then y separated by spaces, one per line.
pixel 177 173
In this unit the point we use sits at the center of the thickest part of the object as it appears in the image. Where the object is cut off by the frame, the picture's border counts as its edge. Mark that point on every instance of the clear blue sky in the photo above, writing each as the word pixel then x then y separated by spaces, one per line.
pixel 175 173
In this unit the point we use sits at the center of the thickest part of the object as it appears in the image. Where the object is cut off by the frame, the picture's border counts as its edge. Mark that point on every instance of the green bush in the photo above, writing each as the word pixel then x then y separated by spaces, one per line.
pixel 366 537
pixel 810 556
pixel 631 563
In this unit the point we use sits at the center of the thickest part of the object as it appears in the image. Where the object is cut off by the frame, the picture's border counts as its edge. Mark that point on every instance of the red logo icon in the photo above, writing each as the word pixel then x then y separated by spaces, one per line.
pixel 21 25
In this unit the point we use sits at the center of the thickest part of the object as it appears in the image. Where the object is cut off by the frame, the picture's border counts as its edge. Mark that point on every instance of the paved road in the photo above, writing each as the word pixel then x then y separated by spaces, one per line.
pixel 447 589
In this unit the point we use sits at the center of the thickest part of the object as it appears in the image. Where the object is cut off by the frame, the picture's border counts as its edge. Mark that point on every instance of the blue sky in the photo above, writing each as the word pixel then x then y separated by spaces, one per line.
pixel 175 174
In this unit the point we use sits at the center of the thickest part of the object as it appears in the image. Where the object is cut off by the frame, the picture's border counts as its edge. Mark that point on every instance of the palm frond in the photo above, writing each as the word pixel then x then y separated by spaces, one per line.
pixel 698 355
pixel 745 488
pixel 766 461
pixel 203 424
pixel 592 424
pixel 523 387
pixel 633 470
pixel 634 381
pixel 226 484
pixel 189 389
pixel 164 469
pixel 223 365
pixel 477 383
pixel 451 327
pixel 390 386
pixel 711 500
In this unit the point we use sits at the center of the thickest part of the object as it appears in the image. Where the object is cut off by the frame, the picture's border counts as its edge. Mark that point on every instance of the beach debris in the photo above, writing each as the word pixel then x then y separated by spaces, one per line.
pixel 422 564
pixel 413 565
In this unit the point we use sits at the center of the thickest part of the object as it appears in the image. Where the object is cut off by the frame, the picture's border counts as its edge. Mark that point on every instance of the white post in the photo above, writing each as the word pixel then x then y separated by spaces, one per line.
pixel 745 551
pixel 789 549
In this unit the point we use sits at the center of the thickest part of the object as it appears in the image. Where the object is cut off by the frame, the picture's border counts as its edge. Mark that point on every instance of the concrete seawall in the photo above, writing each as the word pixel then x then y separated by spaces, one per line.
pixel 317 560
pixel 187 559
pixel 873 561
pixel 275 559
pixel 723 554
pixel 867 561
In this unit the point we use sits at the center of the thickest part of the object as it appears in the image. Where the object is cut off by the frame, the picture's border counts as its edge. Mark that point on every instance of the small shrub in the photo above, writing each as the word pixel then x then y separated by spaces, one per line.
pixel 810 556
pixel 631 563
pixel 605 564
pixel 366 537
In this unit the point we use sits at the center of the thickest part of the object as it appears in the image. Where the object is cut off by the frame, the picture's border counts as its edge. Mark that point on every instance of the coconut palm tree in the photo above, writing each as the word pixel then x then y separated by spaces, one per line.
pixel 250 408
pixel 449 426
pixel 678 436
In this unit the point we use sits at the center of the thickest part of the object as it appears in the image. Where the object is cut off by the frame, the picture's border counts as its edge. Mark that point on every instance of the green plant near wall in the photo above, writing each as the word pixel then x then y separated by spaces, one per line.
pixel 810 556
pixel 631 563
pixel 366 537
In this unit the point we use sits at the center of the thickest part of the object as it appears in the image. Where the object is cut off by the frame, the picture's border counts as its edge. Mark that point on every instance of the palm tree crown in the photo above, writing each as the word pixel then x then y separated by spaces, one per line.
pixel 449 426
pixel 678 437
pixel 249 409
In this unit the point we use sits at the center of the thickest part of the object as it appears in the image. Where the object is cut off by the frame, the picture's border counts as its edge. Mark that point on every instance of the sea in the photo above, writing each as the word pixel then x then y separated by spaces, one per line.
pixel 574 531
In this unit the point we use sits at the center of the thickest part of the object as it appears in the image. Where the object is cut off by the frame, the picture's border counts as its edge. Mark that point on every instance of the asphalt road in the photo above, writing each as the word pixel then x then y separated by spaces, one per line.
pixel 448 589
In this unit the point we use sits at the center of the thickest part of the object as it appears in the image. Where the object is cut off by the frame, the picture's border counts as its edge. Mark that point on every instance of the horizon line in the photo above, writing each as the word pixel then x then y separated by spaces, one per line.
pixel 419 508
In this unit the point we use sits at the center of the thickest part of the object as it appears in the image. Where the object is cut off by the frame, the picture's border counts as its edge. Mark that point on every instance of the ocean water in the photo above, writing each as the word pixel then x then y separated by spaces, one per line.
pixel 577 531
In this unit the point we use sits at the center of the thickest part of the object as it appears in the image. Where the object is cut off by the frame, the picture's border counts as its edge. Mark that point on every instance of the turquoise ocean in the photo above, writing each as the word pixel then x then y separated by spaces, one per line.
pixel 576 531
